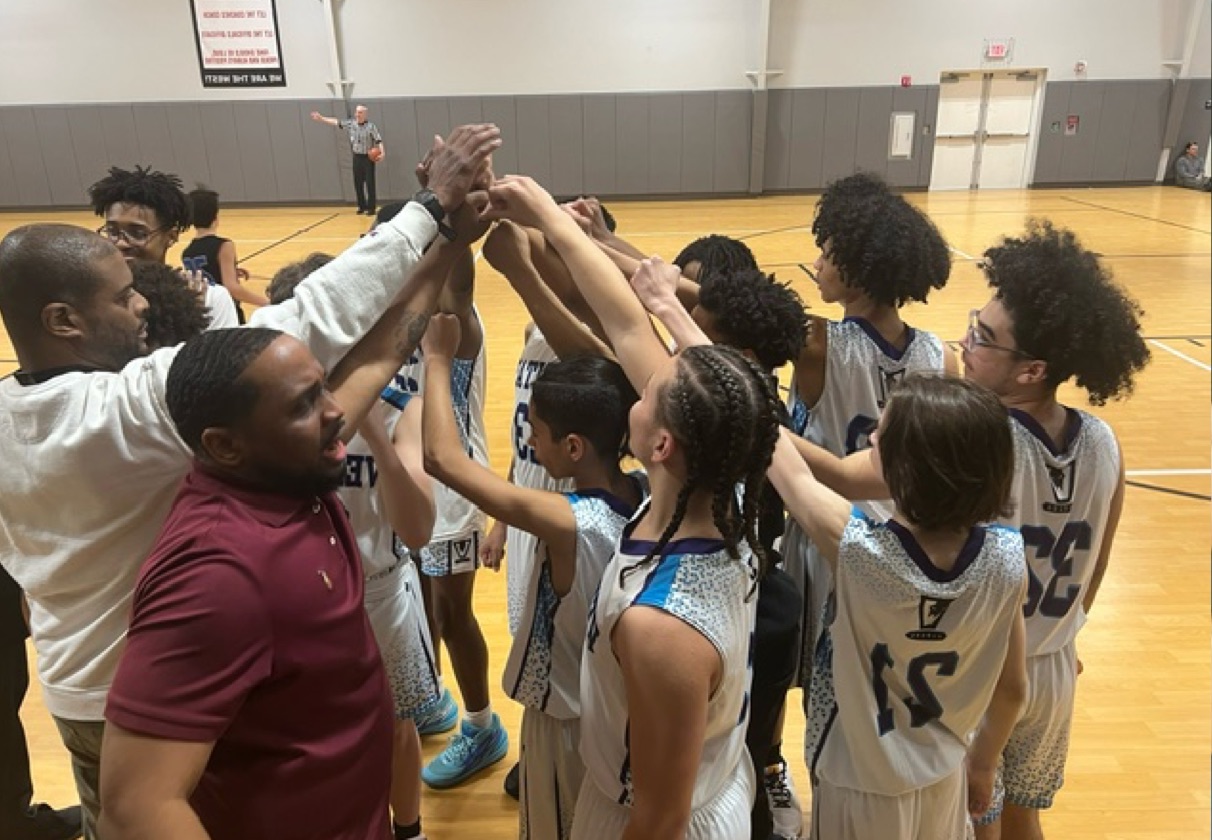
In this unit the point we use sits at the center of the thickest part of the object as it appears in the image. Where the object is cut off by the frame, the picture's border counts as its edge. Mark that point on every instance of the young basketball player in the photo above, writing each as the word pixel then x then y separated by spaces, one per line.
pixel 666 666
pixel 924 637
pixel 450 561
pixel 145 212
pixel 877 253
pixel 1056 315
pixel 214 256
pixel 578 416
pixel 175 312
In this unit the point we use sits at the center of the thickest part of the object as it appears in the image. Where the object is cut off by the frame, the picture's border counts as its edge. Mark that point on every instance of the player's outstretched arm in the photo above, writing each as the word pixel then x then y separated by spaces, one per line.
pixel 508 250
pixel 854 477
pixel 656 284
pixel 623 317
pixel 546 515
pixel 406 489
pixel 822 513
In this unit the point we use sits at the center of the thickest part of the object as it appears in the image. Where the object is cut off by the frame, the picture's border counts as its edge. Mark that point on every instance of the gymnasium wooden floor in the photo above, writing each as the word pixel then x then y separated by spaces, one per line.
pixel 1139 764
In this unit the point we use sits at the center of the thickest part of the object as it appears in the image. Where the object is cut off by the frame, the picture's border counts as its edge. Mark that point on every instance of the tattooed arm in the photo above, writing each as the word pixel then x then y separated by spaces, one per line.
pixel 361 375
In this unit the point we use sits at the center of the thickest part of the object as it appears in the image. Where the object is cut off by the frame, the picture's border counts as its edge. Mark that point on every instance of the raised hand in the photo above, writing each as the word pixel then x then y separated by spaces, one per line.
pixel 454 165
pixel 591 209
pixel 507 249
pixel 656 283
pixel 466 221
pixel 317 116
pixel 520 199
pixel 441 338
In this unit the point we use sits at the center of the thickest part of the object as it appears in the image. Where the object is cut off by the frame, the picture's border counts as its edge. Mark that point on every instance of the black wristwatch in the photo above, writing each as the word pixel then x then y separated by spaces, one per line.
pixel 429 200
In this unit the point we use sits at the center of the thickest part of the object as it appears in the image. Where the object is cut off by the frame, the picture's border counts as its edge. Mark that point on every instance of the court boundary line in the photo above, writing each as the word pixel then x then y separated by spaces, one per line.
pixel 286 239
pixel 1170 491
pixel 1180 354
pixel 1136 215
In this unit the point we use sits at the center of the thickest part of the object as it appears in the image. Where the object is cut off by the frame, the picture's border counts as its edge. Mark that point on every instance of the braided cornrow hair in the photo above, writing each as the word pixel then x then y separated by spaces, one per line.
pixel 722 410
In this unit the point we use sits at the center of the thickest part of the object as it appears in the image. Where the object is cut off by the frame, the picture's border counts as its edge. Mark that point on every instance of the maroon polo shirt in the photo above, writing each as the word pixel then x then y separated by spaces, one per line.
pixel 248 630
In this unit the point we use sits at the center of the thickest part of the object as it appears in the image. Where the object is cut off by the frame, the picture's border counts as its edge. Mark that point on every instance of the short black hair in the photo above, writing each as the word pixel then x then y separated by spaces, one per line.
pixel 1068 311
pixel 588 396
pixel 206 385
pixel 175 313
pixel 146 187
pixel 203 206
pixel 716 253
pixel 47 263
pixel 288 277
pixel 947 452
pixel 755 312
pixel 881 244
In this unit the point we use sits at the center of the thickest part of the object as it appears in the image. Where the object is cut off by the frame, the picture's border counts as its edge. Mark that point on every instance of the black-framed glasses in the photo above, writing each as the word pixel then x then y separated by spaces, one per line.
pixel 135 237
pixel 974 339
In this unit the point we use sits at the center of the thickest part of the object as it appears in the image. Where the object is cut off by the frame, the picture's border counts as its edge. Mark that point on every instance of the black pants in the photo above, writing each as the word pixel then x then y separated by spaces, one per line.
pixel 774 665
pixel 16 786
pixel 364 182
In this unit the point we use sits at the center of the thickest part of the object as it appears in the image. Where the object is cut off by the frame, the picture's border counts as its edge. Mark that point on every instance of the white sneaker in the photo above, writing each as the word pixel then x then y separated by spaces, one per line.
pixel 784 804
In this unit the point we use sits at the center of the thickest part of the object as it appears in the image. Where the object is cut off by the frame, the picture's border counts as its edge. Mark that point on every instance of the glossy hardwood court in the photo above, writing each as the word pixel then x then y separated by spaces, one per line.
pixel 1138 768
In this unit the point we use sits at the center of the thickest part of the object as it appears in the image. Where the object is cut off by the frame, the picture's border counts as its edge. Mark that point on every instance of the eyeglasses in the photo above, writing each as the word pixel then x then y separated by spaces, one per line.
pixel 974 339
pixel 136 237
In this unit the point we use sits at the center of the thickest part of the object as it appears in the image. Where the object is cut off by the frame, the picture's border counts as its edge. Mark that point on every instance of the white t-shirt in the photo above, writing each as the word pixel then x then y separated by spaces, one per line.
pixel 220 307
pixel 92 462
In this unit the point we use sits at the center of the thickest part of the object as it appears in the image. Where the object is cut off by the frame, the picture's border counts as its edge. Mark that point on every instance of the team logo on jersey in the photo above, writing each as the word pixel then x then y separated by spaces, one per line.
pixel 1061 480
pixel 889 381
pixel 930 612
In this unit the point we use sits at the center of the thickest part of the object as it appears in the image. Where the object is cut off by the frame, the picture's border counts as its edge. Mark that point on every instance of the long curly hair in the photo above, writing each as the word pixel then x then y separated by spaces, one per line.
pixel 1067 310
pixel 882 245
pixel 753 311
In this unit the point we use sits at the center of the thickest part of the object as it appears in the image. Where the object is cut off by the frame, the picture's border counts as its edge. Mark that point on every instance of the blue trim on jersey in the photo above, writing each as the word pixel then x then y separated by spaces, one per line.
pixel 967 554
pixel 882 343
pixel 395 397
pixel 656 589
pixel 1073 428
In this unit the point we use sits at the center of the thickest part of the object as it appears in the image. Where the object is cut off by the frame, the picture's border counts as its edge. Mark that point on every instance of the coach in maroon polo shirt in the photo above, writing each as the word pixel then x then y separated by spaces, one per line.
pixel 251 701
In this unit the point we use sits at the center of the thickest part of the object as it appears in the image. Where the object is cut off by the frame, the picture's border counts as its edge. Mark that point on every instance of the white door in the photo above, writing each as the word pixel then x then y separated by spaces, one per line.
pixel 955 133
pixel 984 130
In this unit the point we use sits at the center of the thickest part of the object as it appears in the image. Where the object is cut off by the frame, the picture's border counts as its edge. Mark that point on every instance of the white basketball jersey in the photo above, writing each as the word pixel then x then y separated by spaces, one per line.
pixel 696 581
pixel 544 666
pixel 1062 499
pixel 457 518
pixel 916 653
pixel 362 499
pixel 527 472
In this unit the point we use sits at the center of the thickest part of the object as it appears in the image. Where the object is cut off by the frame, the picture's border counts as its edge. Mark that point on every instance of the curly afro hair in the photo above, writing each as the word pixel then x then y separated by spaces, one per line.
pixel 881 244
pixel 753 311
pixel 145 187
pixel 174 312
pixel 1068 311
pixel 716 253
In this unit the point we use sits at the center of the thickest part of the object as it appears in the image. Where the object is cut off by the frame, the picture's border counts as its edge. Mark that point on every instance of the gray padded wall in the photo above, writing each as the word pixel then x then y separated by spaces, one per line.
pixel 1191 120
pixel 270 152
pixel 1119 136
pixel 633 144
pixel 816 135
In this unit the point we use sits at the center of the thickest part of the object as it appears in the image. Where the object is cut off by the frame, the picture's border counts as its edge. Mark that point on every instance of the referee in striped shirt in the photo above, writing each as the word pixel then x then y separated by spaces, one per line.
pixel 363 137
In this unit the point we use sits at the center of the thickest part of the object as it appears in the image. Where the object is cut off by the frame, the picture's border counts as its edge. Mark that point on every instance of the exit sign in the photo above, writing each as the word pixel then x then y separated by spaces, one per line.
pixel 999 49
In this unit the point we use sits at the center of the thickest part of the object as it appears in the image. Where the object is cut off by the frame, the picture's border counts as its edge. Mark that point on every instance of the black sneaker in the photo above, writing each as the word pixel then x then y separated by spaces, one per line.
pixel 511 781
pixel 43 822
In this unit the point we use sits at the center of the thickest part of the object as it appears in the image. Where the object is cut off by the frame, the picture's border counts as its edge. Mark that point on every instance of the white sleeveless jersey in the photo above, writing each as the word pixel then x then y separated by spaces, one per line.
pixel 457 518
pixel 527 472
pixel 860 371
pixel 363 502
pixel 916 654
pixel 544 667
pixel 1062 499
pixel 696 581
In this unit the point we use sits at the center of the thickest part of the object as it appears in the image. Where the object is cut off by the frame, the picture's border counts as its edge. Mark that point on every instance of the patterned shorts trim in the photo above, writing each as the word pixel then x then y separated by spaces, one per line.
pixel 451 557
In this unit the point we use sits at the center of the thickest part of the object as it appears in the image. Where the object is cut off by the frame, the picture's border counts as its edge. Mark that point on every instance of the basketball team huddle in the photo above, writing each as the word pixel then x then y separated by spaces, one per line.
pixel 243 547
